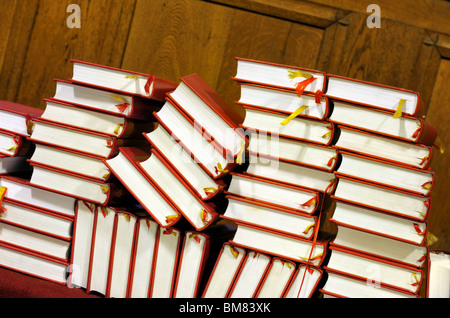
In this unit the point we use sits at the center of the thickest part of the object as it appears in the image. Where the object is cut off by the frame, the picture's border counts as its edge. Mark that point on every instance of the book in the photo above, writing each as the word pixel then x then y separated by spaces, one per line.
pixel 211 114
pixel 382 199
pixel 292 174
pixel 70 161
pixel 342 286
pixel 142 188
pixel 166 257
pixel 36 219
pixel 100 250
pixel 274 193
pixel 15 117
pixel 104 100
pixel 121 253
pixel 384 148
pixel 77 186
pixel 198 252
pixel 226 267
pixel 204 152
pixel 80 140
pixel 270 218
pixel 378 245
pixel 374 95
pixel 83 227
pixel 269 122
pixel 33 263
pixel 35 240
pixel 389 174
pixel 93 120
pixel 185 166
pixel 279 75
pixel 250 275
pixel 280 245
pixel 382 122
pixel 200 214
pixel 284 101
pixel 384 224
pixel 305 282
pixel 379 271
pixel 438 274
pixel 293 151
pixel 277 278
pixel 22 190
pixel 142 257
pixel 121 80
pixel 13 145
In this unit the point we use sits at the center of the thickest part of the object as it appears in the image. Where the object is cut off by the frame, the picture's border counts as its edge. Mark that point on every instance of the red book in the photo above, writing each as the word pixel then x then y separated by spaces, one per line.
pixel 203 151
pixel 384 148
pixel 93 98
pixel 120 80
pixel 125 167
pixel 284 101
pixel 277 279
pixel 384 173
pixel 305 282
pixel 383 199
pixel 374 95
pixel 12 144
pixel 437 274
pixel 381 121
pixel 193 174
pixel 76 186
pixel 15 117
pixel 279 75
pixel 393 275
pixel 96 121
pixel 210 114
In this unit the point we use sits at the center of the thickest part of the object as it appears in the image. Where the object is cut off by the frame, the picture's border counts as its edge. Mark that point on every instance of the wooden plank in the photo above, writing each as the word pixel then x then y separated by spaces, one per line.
pixel 439 116
pixel 6 23
pixel 433 15
pixel 41 45
pixel 297 11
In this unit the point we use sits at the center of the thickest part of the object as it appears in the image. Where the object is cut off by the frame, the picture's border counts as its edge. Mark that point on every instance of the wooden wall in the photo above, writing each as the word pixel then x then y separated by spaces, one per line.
pixel 172 38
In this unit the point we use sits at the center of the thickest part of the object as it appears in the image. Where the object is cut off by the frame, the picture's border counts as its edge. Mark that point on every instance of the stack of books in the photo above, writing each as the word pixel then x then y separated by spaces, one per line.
pixel 35 224
pixel 382 198
pixel 277 200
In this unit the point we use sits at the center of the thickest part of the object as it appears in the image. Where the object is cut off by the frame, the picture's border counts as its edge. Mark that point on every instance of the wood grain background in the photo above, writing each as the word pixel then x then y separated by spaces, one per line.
pixel 173 38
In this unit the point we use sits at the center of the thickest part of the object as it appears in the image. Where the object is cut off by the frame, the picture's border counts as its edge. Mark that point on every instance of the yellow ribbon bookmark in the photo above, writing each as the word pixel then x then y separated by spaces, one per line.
pixel 439 144
pixel 116 131
pixel 308 228
pixel 294 114
pixel 134 76
pixel 12 148
pixel 172 217
pixel 297 73
pixel 234 251
pixel 311 259
pixel 398 112
pixel 431 239
pixel 219 169
pixel 118 98
pixel 209 190
pixel 239 158
pixel 127 217
pixel 105 189
pixel 2 195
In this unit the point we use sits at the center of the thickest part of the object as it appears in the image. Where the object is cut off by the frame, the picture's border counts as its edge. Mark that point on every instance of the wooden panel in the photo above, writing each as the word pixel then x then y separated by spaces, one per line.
pixel 439 115
pixel 204 38
pixel 6 23
pixel 40 44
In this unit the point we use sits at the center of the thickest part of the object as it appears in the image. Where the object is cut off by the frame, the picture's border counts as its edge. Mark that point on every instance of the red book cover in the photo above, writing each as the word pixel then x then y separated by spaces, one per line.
pixel 155 87
pixel 439 293
pixel 26 114
pixel 125 104
pixel 417 109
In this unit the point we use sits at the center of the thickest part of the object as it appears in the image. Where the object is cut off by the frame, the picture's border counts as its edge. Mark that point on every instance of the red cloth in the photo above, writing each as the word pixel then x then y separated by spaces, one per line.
pixel 17 285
